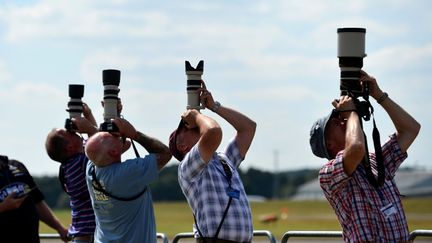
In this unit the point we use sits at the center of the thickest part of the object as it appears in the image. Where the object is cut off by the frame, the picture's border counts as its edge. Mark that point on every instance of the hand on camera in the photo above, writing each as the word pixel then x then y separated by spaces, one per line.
pixel 206 97
pixel 84 125
pixel 374 89
pixel 125 128
pixel 345 103
pixel 86 110
pixel 87 113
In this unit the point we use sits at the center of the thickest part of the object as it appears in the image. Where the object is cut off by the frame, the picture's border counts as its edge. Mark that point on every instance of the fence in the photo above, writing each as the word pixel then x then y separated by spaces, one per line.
pixel 160 236
pixel 190 235
pixel 265 233
pixel 338 234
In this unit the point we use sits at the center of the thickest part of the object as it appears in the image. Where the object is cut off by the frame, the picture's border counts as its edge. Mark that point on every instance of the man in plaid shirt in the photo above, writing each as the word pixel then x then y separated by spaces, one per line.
pixel 367 213
pixel 210 180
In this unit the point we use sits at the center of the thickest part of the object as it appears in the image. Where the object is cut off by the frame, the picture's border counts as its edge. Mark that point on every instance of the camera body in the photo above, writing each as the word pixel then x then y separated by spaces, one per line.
pixel 351 51
pixel 193 84
pixel 75 108
pixel 111 81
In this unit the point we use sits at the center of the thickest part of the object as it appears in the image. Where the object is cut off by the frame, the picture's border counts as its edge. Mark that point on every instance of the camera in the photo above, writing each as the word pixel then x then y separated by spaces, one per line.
pixel 351 51
pixel 193 84
pixel 75 108
pixel 111 81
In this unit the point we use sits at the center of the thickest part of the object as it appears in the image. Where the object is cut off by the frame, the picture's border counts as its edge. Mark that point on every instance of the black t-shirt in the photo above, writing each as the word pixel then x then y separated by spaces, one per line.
pixel 22 224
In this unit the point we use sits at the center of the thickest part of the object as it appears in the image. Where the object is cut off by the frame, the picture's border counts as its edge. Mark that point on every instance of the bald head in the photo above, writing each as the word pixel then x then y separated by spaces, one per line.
pixel 103 149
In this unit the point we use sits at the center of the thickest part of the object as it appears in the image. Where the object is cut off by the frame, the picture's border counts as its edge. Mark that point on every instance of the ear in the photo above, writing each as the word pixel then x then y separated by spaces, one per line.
pixel 114 153
pixel 70 147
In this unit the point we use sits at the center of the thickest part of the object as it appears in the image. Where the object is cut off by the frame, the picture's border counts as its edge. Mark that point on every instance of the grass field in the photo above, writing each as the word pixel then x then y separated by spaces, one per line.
pixel 172 218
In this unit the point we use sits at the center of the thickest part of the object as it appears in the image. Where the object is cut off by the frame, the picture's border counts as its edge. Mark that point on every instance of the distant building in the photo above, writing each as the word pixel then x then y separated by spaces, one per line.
pixel 410 184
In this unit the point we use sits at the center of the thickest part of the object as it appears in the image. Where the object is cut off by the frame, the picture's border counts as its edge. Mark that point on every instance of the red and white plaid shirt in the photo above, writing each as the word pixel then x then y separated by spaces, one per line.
pixel 358 204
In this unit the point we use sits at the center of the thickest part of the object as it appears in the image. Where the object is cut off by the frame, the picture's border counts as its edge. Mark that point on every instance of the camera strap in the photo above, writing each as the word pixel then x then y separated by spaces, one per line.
pixel 378 154
pixel 228 176
pixel 98 187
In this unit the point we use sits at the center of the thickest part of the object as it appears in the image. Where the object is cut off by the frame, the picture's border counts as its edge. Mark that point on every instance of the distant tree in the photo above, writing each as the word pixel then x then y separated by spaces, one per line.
pixel 167 188
pixel 51 188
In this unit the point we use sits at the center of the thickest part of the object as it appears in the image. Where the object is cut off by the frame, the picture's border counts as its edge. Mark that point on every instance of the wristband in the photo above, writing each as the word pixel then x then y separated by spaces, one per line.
pixel 383 97
pixel 216 106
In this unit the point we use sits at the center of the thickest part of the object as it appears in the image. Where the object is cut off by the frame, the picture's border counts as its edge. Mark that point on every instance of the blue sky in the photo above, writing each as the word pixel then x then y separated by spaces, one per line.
pixel 273 60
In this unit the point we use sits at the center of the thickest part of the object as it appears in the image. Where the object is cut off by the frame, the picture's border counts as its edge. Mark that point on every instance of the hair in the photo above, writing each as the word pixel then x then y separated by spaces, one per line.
pixel 55 146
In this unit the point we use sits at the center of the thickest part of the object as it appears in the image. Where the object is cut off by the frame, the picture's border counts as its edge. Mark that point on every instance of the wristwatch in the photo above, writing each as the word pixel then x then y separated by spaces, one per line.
pixel 216 106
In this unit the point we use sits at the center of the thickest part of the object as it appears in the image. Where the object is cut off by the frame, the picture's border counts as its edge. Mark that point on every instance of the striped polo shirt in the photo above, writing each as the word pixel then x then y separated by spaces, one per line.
pixel 83 219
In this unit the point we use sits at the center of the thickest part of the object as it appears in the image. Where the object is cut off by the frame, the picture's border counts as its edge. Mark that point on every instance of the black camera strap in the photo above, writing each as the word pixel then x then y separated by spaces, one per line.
pixel 228 176
pixel 98 187
pixel 378 154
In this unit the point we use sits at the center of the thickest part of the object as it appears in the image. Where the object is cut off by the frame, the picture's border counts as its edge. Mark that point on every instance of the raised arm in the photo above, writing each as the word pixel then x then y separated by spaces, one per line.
pixel 406 126
pixel 210 133
pixel 244 126
pixel 152 145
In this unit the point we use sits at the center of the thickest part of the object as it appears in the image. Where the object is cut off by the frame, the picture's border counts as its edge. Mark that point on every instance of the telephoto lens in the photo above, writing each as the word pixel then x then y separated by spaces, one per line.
pixel 351 51
pixel 193 84
pixel 111 81
pixel 75 109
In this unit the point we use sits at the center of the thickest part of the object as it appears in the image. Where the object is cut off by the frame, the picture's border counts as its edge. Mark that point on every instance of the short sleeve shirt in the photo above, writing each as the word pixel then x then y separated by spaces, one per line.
pixel 205 187
pixel 124 221
pixel 358 204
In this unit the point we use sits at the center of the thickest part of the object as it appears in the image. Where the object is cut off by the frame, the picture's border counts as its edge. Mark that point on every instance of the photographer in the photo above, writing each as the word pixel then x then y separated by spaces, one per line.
pixel 22 205
pixel 119 190
pixel 67 148
pixel 367 213
pixel 210 180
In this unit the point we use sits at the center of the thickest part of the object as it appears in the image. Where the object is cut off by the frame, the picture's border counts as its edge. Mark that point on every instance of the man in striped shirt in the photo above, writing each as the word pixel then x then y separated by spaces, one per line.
pixel 210 180
pixel 367 211
pixel 67 148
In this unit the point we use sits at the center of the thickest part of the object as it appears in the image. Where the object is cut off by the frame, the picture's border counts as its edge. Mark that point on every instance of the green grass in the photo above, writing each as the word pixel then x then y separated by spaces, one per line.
pixel 172 218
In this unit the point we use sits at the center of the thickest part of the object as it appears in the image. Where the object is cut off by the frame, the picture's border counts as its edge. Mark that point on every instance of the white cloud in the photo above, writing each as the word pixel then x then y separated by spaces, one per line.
pixel 5 75
pixel 275 61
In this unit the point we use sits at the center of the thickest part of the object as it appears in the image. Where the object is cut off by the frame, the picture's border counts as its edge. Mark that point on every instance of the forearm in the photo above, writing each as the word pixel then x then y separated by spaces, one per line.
pixel 47 216
pixel 355 147
pixel 244 126
pixel 406 126
pixel 240 122
pixel 91 119
pixel 154 146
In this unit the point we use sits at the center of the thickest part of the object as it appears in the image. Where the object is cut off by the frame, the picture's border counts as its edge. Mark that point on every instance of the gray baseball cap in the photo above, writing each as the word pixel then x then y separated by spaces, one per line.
pixel 317 137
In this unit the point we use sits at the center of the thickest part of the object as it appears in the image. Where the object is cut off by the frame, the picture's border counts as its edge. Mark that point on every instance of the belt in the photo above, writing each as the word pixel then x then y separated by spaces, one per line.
pixel 210 240
pixel 87 238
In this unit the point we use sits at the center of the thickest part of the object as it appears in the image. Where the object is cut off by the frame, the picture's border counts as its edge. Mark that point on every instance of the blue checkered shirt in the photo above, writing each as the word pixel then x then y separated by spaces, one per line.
pixel 205 187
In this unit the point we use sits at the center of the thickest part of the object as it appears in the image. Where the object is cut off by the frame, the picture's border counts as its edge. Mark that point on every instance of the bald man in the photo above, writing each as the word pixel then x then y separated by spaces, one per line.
pixel 119 190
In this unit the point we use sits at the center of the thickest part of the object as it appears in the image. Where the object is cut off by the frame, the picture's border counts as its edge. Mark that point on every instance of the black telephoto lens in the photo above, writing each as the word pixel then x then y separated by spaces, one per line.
pixel 76 91
pixel 111 77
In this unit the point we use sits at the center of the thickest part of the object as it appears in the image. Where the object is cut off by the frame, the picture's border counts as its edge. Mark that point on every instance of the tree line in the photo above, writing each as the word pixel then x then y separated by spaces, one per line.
pixel 256 182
